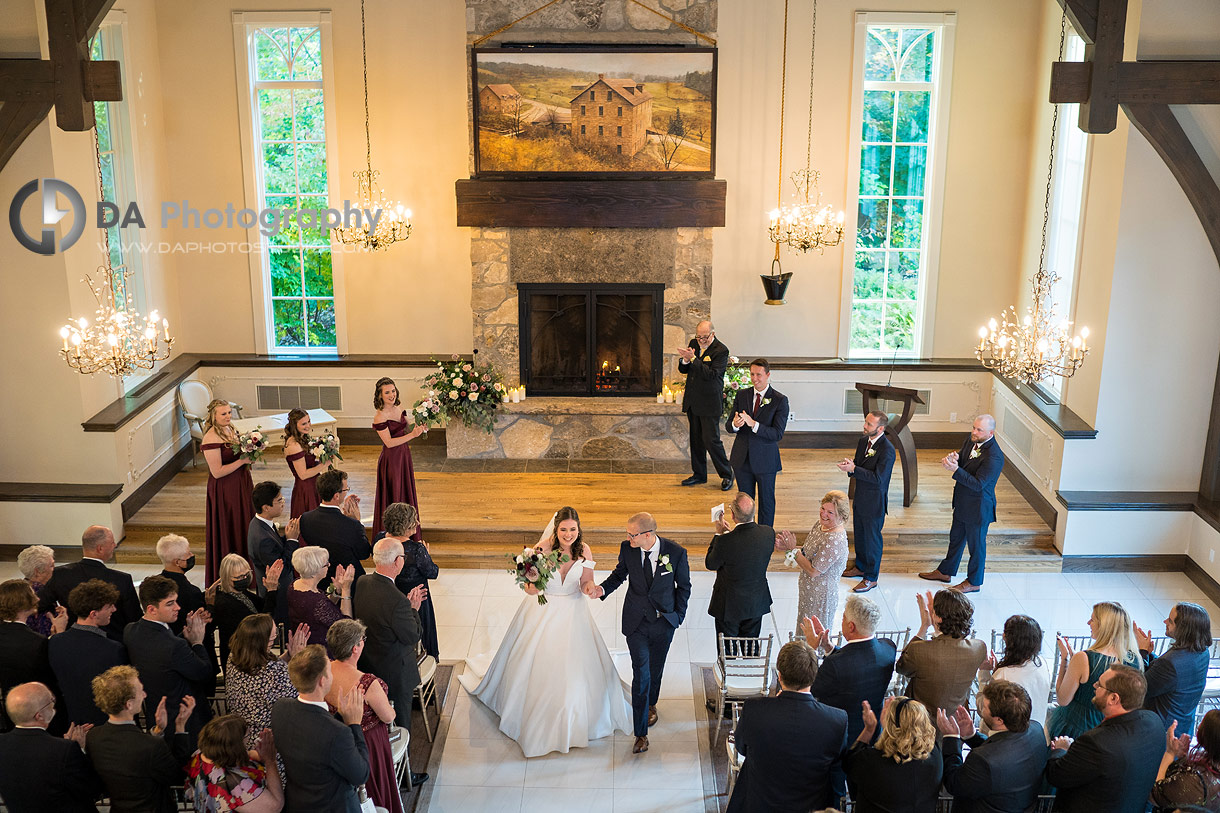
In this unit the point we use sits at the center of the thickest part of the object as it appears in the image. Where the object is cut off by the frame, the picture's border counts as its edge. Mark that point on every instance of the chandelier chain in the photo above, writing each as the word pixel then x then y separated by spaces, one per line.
pixel 813 48
pixel 1050 164
pixel 364 57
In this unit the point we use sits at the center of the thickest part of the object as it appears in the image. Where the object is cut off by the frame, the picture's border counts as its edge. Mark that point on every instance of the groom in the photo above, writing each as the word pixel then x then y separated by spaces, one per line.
pixel 658 588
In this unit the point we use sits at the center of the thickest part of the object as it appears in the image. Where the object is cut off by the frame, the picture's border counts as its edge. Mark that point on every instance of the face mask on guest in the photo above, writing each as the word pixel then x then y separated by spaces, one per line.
pixel 242 582
pixel 190 562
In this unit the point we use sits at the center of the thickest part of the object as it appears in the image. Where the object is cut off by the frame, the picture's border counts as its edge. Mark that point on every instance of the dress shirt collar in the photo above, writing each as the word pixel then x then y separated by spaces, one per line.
pixel 847 641
pixel 270 524
pixel 328 505
pixel 656 547
pixel 763 392
pixel 31 728
pixel 151 621
pixel 92 559
pixel 321 705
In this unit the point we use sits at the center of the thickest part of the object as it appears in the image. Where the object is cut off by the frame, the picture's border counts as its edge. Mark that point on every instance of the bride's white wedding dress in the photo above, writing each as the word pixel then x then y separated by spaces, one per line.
pixel 553 681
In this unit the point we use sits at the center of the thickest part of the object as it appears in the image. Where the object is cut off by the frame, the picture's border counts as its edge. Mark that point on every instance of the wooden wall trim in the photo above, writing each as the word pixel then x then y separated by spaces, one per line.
pixel 1127 500
pixel 1127 563
pixel 60 492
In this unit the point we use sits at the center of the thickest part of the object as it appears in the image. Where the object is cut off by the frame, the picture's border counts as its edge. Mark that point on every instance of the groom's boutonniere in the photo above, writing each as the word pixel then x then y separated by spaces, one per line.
pixel 975 452
pixel 665 564
pixel 765 401
pixel 870 453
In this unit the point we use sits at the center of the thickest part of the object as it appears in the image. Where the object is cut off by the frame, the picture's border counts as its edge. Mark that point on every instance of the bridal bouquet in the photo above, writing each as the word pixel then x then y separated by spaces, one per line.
pixel 325 448
pixel 532 566
pixel 250 445
pixel 736 377
pixel 464 390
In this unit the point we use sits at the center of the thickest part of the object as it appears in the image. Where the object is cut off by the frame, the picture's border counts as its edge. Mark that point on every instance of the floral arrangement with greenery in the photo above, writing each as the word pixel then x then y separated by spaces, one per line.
pixel 736 377
pixel 460 390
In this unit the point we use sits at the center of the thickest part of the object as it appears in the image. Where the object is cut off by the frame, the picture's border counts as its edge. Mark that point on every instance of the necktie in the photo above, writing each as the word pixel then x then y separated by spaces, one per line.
pixel 757 404
pixel 648 574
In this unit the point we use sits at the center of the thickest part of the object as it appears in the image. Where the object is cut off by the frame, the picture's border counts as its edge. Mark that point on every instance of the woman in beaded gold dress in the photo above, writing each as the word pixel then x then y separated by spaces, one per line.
pixel 821 560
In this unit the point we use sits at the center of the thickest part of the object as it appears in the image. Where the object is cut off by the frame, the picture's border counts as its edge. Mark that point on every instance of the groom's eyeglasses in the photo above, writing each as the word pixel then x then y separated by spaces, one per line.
pixel 641 533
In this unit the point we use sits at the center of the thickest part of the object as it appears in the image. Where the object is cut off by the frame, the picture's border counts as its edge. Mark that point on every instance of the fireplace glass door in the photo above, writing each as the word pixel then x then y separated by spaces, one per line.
pixel 591 339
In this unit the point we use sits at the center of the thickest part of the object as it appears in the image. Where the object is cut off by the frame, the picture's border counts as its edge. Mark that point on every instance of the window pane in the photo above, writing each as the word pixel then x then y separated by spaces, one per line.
pixel 107 162
pixel 289 317
pixel 917 55
pixel 909 164
pixel 279 167
pixel 879 49
pixel 906 228
pixel 101 112
pixel 116 246
pixel 318 277
pixel 275 114
pixel 285 272
pixel 869 276
pixel 310 115
pixel 313 230
pixel 878 116
pixel 271 54
pixel 866 326
pixel 872 223
pixel 311 167
pixel 899 325
pixel 902 274
pixel 306 53
pixel 321 322
pixel 875 170
pixel 914 107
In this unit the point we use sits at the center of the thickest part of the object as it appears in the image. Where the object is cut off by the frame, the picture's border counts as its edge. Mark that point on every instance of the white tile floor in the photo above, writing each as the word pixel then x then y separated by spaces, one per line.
pixel 477 768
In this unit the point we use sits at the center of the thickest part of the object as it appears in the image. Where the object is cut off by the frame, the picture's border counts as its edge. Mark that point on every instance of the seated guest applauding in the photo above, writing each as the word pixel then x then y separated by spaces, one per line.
pixel 1176 678
pixel 224 776
pixel 1113 642
pixel 942 669
pixel 345 640
pixel 83 651
pixel 41 773
pixel 1190 776
pixel 267 543
pixel 254 678
pixel 1003 772
pixel 901 773
pixel 23 652
pixel 97 546
pixel 37 563
pixel 323 759
pixel 139 770
pixel 336 525
pixel 860 669
pixel 234 599
pixel 1022 664
pixel 1113 766
pixel 307 604
pixel 791 742
pixel 171 666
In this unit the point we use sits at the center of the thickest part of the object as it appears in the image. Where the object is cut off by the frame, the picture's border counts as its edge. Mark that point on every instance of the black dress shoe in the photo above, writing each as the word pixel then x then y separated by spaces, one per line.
pixel 418 779
pixel 726 483
pixel 693 481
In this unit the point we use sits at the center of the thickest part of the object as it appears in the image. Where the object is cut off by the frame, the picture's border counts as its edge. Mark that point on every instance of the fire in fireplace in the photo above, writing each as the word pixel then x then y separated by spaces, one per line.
pixel 597 339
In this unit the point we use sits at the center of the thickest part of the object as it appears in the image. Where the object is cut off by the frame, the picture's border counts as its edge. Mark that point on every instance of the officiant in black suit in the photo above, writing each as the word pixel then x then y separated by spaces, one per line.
pixel 759 417
pixel 871 469
pixel 704 362
pixel 741 595
pixel 658 589
pixel 975 469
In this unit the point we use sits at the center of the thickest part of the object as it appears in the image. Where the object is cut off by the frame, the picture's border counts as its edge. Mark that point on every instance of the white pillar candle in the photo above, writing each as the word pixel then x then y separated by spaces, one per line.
pixel 516 396
pixel 660 397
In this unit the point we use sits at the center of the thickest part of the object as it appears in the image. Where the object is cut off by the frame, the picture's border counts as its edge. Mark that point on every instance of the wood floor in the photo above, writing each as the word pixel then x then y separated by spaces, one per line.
pixel 475 511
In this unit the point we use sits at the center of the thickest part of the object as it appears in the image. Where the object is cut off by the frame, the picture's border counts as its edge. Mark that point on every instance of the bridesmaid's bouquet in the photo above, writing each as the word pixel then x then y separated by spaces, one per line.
pixel 428 411
pixel 535 567
pixel 250 445
pixel 325 448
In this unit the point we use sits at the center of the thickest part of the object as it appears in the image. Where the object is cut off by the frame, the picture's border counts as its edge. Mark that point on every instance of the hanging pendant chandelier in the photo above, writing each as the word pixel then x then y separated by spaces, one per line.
pixel 119 340
pixel 1040 344
pixel 394 225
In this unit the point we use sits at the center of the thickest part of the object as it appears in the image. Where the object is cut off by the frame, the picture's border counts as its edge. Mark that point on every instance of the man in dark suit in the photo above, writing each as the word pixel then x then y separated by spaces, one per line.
pixel 97 547
pixel 858 670
pixel 870 469
pixel 39 772
pixel 82 652
pixel 23 652
pixel 324 759
pixel 176 557
pixel 336 526
pixel 1176 679
pixel 1112 766
pixel 791 742
pixel 1003 772
pixel 140 771
pixel 975 469
pixel 171 666
pixel 392 627
pixel 741 595
pixel 658 589
pixel 704 362
pixel 759 417
pixel 265 544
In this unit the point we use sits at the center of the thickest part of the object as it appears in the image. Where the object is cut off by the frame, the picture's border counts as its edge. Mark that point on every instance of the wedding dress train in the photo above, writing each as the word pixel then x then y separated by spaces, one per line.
pixel 553 682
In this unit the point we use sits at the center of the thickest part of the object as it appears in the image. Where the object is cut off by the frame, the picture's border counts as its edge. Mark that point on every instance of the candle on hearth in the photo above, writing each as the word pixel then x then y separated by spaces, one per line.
pixel 669 395
pixel 516 395
pixel 660 397
pixel 522 392
pixel 678 396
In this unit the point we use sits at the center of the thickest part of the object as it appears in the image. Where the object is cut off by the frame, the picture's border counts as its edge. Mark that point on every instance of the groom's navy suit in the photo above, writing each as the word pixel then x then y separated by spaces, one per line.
pixel 755 455
pixel 653 608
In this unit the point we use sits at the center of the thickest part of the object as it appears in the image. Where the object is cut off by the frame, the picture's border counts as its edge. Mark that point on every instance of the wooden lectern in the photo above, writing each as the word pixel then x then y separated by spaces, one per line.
pixel 898 430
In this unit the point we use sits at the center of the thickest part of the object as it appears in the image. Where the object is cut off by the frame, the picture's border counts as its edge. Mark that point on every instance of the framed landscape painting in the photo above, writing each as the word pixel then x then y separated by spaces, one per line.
pixel 594 111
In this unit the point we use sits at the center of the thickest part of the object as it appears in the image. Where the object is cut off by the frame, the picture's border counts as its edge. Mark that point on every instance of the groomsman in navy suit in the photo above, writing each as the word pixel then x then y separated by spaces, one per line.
pixel 871 469
pixel 759 417
pixel 975 469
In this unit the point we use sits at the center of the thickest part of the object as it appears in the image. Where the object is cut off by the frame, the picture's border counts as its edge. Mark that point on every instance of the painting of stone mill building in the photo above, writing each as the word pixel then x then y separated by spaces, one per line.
pixel 594 111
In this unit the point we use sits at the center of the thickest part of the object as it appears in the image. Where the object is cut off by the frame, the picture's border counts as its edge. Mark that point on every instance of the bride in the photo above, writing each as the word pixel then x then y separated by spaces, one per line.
pixel 552 681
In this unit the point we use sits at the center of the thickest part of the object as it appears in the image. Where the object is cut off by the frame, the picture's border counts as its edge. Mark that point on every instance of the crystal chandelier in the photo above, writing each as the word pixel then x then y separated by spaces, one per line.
pixel 1039 345
pixel 395 221
pixel 119 340
pixel 804 223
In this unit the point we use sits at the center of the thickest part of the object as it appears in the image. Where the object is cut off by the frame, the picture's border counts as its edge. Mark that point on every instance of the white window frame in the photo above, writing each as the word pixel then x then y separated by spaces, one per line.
pixel 938 142
pixel 244 25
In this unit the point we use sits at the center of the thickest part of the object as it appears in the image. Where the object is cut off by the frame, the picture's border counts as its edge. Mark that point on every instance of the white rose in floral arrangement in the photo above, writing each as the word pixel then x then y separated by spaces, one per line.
pixel 474 396
pixel 453 395
pixel 257 435
pixel 457 382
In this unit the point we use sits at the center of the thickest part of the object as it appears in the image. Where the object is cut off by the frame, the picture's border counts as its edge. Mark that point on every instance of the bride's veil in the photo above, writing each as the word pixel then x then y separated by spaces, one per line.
pixel 545 540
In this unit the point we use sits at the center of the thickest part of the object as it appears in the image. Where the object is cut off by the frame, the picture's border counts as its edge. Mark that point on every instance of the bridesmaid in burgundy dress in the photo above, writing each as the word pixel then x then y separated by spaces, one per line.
pixel 395 474
pixel 303 465
pixel 229 507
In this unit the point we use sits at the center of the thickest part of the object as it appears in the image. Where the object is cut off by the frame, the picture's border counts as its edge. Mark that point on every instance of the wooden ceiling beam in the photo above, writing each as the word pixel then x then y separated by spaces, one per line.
pixel 34 79
pixel 1099 113
pixel 1083 16
pixel 1180 82
pixel 17 121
